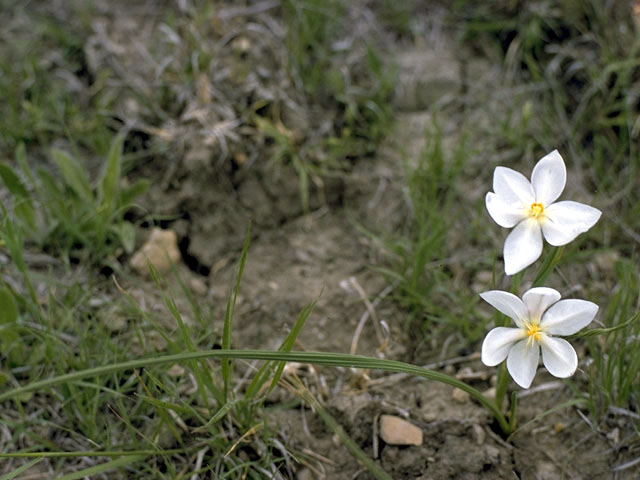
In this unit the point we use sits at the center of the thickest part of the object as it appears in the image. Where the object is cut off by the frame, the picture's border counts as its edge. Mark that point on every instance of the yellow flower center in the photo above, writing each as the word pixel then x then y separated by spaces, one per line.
pixel 536 210
pixel 534 332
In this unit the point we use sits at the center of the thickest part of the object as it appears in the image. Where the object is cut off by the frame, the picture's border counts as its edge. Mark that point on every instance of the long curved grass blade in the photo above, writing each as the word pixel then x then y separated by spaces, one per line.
pixel 317 358
pixel 601 331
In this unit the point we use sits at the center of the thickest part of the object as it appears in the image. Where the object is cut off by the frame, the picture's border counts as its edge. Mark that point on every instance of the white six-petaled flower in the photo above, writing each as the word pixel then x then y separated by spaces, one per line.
pixel 530 208
pixel 539 317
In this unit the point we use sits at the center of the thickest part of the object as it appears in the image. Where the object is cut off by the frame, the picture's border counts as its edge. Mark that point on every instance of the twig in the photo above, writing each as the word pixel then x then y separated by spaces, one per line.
pixel 370 312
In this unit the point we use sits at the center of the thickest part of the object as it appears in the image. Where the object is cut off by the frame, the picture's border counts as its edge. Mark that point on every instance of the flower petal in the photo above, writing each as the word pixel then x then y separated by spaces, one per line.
pixel 538 299
pixel 513 187
pixel 505 214
pixel 558 356
pixel 523 246
pixel 508 304
pixel 568 316
pixel 548 178
pixel 564 221
pixel 522 362
pixel 497 344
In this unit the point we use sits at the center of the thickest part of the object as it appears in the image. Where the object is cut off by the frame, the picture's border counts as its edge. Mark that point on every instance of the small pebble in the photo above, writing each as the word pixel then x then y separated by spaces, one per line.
pixel 490 393
pixel 198 286
pixel 161 250
pixel 304 474
pixel 175 371
pixel 397 431
pixel 460 396
pixel 479 434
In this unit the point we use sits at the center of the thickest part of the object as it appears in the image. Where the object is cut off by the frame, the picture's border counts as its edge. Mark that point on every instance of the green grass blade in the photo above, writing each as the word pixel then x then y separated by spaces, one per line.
pixel 110 182
pixel 201 373
pixel 103 467
pixel 21 469
pixel 73 175
pixel 23 206
pixel 129 194
pixel 287 344
pixel 21 160
pixel 602 331
pixel 289 341
pixel 569 403
pixel 227 367
pixel 546 268
pixel 316 358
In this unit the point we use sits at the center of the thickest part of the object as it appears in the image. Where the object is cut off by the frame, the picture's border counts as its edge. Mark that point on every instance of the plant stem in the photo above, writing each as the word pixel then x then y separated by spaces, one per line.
pixel 550 261
pixel 501 386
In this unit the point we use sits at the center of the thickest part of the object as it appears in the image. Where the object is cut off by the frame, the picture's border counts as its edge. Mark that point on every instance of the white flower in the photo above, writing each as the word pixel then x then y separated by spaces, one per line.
pixel 530 208
pixel 539 316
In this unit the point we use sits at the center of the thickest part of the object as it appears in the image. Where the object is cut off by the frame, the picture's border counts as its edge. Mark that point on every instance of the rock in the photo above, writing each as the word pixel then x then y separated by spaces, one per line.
pixel 606 261
pixel 479 434
pixel 161 250
pixel 304 474
pixel 490 393
pixel 113 319
pixel 460 396
pixel 198 286
pixel 175 371
pixel 397 431
pixel 115 322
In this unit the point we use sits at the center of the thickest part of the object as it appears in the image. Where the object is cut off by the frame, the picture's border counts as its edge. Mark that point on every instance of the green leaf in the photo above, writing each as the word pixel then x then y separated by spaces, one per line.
pixel 127 235
pixel 21 159
pixel 23 207
pixel 268 368
pixel 10 343
pixel 227 366
pixel 73 174
pixel 129 194
pixel 91 472
pixel 8 307
pixel 601 331
pixel 110 182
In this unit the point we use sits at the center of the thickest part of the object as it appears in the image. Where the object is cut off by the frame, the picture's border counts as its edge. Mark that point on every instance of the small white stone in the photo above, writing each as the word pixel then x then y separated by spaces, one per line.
pixel 490 393
pixel 460 396
pixel 397 431
pixel 198 286
pixel 161 250
pixel 175 371
pixel 479 434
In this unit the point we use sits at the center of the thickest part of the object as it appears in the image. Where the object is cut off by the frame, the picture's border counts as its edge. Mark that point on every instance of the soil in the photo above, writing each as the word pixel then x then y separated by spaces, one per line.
pixel 297 257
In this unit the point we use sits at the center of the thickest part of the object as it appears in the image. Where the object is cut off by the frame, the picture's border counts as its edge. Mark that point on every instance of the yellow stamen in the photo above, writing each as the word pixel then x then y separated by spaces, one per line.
pixel 536 210
pixel 534 332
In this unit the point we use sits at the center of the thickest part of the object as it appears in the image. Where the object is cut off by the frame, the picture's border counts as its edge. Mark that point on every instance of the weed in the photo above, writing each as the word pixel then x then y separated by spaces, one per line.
pixel 614 372
pixel 68 215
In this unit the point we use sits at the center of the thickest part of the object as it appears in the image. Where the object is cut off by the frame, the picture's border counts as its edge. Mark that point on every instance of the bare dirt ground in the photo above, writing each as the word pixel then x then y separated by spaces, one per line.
pixel 297 257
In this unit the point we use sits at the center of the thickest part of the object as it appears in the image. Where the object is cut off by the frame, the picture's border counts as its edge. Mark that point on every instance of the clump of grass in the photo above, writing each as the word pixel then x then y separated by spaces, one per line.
pixel 424 258
pixel 614 374
pixel 162 418
pixel 69 215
